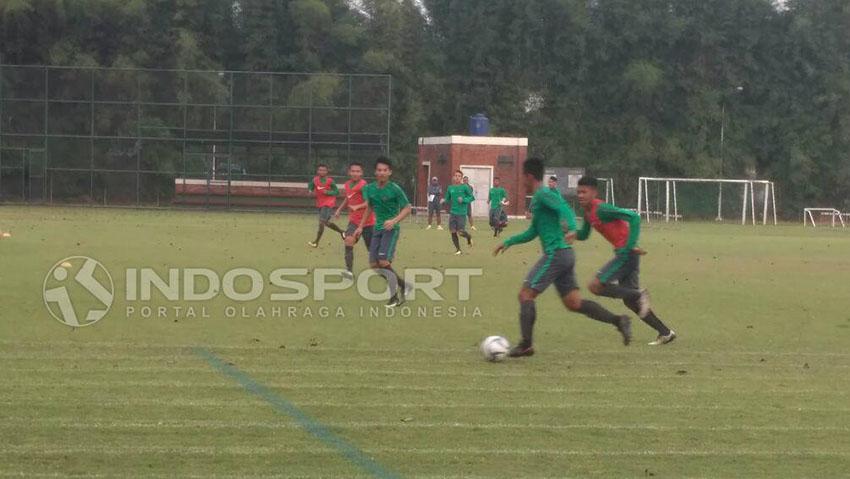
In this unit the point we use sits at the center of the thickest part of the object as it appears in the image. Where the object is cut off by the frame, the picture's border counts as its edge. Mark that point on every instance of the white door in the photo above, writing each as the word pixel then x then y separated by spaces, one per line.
pixel 481 179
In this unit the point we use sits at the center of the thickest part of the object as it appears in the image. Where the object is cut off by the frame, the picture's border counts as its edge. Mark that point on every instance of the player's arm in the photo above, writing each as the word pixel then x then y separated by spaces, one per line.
pixel 311 187
pixel 565 213
pixel 341 206
pixel 584 232
pixel 490 198
pixel 469 197
pixel 608 212
pixel 332 189
pixel 521 238
pixel 448 199
pixel 366 215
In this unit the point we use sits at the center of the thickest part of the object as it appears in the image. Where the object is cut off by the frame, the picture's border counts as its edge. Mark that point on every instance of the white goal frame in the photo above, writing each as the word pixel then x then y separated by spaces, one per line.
pixel 670 193
pixel 609 190
pixel 834 213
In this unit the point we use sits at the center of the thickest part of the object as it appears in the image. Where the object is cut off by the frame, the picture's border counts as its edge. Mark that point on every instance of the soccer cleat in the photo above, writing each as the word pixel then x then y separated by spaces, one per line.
pixel 428 227
pixel 662 339
pixel 348 275
pixel 473 227
pixel 624 326
pixel 396 300
pixel 469 241
pixel 439 227
pixel 342 233
pixel 312 245
pixel 521 349
pixel 643 304
pixel 458 253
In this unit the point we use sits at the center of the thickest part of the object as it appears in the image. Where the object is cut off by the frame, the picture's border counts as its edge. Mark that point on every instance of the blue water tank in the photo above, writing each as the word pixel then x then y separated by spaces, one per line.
pixel 479 125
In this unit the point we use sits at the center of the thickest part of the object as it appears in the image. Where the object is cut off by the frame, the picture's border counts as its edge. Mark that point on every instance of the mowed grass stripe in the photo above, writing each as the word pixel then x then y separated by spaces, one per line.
pixel 309 424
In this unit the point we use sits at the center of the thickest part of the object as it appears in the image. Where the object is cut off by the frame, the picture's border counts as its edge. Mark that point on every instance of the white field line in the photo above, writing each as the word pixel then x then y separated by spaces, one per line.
pixel 46 450
pixel 802 376
pixel 108 384
pixel 186 349
pixel 253 402
pixel 15 422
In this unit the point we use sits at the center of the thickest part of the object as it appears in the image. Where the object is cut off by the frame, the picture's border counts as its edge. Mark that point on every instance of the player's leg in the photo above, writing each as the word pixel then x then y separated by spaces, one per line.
pixel 349 248
pixel 563 272
pixel 430 215
pixel 322 212
pixel 386 252
pixel 461 229
pixel 368 232
pixel 439 217
pixel 469 216
pixel 536 281
pixel 632 280
pixel 325 218
pixel 494 221
pixel 454 221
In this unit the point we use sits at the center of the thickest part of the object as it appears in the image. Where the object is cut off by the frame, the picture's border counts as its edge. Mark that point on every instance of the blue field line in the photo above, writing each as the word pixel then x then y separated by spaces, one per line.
pixel 283 406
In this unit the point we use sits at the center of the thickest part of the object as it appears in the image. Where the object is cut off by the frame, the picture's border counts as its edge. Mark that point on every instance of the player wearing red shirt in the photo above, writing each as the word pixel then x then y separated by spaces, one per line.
pixel 323 187
pixel 353 192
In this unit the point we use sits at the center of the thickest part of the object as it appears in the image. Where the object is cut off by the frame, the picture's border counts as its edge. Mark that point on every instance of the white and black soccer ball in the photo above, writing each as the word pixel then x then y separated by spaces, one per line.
pixel 495 348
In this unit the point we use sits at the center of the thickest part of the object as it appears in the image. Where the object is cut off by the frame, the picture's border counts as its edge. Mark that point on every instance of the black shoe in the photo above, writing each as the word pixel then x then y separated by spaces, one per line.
pixel 521 349
pixel 624 326
pixel 396 300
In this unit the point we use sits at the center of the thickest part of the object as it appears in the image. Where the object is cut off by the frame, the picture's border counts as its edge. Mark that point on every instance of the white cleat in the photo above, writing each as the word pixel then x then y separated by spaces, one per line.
pixel 439 227
pixel 428 227
pixel 474 228
pixel 312 245
pixel 458 253
pixel 348 275
pixel 662 340
pixel 643 304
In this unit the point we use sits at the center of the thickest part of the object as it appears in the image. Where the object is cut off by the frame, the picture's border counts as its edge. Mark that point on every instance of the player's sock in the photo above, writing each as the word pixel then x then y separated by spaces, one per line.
pixel 595 311
pixel 527 316
pixel 620 292
pixel 335 227
pixel 467 236
pixel 399 281
pixel 319 233
pixel 349 257
pixel 651 319
pixel 455 241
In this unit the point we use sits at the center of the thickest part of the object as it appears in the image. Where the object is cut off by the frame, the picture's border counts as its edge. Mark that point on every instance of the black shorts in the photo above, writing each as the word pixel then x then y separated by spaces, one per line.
pixel 623 269
pixel 383 244
pixel 325 213
pixel 497 217
pixel 434 208
pixel 457 222
pixel 558 268
pixel 367 233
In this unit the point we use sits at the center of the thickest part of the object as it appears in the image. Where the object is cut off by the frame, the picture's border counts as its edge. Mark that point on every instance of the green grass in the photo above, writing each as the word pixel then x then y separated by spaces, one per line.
pixel 758 385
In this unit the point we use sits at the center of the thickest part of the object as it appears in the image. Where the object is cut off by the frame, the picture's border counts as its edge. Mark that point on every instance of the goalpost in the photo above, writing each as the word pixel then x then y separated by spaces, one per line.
pixel 748 201
pixel 822 212
pixel 609 189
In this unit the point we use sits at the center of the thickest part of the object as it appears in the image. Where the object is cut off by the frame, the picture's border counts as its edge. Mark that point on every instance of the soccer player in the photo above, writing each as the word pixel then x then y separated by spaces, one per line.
pixel 554 222
pixel 435 199
pixel 458 197
pixel 390 205
pixel 497 198
pixel 326 192
pixel 353 191
pixel 469 206
pixel 619 278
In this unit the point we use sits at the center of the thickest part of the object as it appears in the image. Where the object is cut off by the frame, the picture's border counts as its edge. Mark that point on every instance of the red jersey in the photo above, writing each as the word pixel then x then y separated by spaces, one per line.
pixel 326 191
pixel 610 222
pixel 354 193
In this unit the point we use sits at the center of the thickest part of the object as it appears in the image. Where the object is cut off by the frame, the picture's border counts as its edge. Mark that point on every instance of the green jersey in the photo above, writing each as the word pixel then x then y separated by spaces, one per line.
pixel 386 201
pixel 464 192
pixel 551 219
pixel 497 194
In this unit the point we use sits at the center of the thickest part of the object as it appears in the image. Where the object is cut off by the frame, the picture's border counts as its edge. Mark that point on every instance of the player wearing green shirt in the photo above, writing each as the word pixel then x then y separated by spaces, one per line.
pixel 458 198
pixel 553 221
pixel 619 278
pixel 497 198
pixel 390 205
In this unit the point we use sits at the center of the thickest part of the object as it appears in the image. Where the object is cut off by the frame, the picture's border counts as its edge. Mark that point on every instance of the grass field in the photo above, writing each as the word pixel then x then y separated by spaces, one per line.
pixel 758 384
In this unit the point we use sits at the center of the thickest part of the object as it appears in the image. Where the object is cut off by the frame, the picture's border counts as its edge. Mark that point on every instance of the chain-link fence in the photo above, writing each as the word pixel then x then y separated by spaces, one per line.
pixel 133 137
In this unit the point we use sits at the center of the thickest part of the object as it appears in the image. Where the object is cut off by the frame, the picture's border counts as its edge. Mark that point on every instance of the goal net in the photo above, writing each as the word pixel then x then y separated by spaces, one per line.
pixel 830 217
pixel 675 199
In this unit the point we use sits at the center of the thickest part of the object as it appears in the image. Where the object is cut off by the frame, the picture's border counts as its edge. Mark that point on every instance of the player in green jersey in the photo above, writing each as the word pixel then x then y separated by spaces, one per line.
pixel 390 205
pixel 458 198
pixel 553 221
pixel 497 199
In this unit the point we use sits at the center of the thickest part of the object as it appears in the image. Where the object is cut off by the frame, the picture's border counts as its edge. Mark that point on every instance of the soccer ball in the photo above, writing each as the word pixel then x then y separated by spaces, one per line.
pixel 495 348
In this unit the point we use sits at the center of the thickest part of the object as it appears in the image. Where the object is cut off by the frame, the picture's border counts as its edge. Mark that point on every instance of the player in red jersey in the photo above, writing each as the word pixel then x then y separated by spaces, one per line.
pixel 326 192
pixel 619 278
pixel 353 191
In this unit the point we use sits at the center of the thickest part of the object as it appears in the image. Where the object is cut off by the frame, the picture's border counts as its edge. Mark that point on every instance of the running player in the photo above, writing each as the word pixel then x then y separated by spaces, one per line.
pixel 326 192
pixel 619 278
pixel 390 205
pixel 554 222
pixel 458 197
pixel 497 198
pixel 469 206
pixel 353 191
